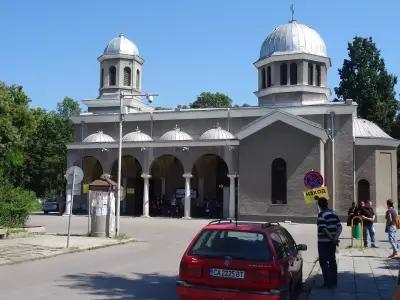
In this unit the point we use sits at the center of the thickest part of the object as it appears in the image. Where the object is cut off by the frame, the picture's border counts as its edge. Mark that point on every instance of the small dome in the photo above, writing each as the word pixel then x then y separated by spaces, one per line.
pixel 293 38
pixel 217 134
pixel 176 135
pixel 98 137
pixel 136 136
pixel 367 129
pixel 121 45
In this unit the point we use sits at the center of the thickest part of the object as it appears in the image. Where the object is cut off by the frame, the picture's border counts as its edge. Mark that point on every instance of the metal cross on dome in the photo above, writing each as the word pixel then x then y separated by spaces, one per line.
pixel 292 11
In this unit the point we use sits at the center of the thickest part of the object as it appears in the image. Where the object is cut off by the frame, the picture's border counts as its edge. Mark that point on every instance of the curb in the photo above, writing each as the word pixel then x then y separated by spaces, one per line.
pixel 70 251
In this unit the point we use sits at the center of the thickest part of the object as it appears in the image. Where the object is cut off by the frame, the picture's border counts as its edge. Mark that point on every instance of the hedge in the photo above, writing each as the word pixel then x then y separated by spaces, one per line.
pixel 15 205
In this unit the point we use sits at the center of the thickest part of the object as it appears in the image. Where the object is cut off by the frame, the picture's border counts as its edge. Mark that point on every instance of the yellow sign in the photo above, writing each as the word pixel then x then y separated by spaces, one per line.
pixel 85 188
pixel 309 195
pixel 130 190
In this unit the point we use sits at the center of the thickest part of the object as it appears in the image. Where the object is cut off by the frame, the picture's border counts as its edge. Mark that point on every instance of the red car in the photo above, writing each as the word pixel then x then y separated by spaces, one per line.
pixel 241 260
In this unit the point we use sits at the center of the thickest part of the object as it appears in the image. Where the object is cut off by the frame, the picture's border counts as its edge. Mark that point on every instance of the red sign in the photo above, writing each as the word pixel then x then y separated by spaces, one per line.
pixel 313 180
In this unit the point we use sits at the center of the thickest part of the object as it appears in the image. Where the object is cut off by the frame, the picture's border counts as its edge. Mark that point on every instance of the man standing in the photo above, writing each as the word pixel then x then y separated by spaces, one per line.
pixel 368 216
pixel 391 228
pixel 329 230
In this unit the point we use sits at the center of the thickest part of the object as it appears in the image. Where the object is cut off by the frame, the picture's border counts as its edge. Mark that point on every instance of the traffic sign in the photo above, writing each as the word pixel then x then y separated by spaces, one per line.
pixel 313 180
pixel 78 175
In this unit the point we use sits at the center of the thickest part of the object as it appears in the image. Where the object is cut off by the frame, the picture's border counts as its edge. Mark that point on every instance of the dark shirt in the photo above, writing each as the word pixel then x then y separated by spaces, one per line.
pixel 369 213
pixel 393 214
pixel 327 219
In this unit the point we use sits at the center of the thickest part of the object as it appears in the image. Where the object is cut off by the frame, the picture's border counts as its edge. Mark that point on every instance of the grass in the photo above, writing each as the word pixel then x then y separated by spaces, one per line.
pixel 122 236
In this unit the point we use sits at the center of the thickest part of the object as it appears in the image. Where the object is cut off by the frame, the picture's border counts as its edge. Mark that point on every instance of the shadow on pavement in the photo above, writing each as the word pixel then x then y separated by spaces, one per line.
pixel 137 286
pixel 355 286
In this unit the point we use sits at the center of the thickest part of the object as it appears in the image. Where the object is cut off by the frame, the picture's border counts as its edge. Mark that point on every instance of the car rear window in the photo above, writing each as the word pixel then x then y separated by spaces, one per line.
pixel 244 245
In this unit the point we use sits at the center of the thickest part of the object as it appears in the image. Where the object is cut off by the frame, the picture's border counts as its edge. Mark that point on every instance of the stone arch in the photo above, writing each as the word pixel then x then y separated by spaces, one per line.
pixel 92 169
pixel 166 186
pixel 132 182
pixel 210 183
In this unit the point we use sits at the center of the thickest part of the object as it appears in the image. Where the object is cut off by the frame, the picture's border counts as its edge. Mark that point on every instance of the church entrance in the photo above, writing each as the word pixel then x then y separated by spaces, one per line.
pixel 167 187
pixel 211 183
pixel 132 183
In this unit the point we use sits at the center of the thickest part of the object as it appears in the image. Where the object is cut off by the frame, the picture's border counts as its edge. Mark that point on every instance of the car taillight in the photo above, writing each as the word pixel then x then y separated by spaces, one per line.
pixel 192 270
pixel 268 277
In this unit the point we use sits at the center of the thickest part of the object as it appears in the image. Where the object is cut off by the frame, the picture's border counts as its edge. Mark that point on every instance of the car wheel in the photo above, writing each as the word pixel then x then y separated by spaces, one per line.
pixel 45 212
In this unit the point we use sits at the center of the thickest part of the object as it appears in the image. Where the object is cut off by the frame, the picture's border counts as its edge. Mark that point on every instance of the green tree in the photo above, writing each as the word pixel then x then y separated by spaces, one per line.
pixel 46 151
pixel 211 100
pixel 68 108
pixel 15 128
pixel 364 79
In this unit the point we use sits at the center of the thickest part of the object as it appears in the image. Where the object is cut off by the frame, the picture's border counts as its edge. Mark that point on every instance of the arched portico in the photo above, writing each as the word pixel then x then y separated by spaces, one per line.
pixel 166 187
pixel 212 185
pixel 132 183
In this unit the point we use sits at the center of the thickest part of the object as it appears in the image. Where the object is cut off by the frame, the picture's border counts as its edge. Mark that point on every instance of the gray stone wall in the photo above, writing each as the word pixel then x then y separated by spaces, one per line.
pixel 301 153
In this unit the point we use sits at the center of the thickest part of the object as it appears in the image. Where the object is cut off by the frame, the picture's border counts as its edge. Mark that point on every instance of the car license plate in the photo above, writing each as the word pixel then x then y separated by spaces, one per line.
pixel 223 273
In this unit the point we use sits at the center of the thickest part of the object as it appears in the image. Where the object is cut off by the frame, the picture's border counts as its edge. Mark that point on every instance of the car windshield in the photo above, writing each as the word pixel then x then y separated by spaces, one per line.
pixel 232 243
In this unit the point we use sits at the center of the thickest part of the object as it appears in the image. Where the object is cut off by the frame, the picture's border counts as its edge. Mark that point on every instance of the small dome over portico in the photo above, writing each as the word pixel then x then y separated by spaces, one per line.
pixel 136 136
pixel 98 137
pixel 217 134
pixel 176 134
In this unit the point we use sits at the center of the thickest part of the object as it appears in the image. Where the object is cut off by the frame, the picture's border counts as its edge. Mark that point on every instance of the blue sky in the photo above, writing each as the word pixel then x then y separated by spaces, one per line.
pixel 51 47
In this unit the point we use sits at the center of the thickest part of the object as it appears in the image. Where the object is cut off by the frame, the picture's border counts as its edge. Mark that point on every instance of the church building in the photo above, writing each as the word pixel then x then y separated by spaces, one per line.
pixel 216 162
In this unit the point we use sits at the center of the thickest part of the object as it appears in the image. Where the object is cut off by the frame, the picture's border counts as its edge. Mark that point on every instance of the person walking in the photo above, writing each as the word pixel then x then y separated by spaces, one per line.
pixel 368 216
pixel 391 228
pixel 329 230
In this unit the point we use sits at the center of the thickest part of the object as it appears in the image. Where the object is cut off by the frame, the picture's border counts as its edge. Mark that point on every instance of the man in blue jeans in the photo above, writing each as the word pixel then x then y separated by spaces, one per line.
pixel 368 216
pixel 391 228
pixel 329 230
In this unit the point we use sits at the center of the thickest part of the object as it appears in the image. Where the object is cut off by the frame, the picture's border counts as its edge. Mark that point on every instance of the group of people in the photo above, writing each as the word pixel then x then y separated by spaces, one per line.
pixel 330 228
pixel 366 213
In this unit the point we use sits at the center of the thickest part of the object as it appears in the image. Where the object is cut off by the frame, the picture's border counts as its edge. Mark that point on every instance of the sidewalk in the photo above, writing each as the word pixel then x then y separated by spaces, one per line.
pixel 42 246
pixel 362 274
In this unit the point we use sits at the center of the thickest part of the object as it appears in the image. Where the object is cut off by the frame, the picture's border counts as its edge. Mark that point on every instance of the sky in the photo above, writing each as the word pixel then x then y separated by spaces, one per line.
pixel 189 46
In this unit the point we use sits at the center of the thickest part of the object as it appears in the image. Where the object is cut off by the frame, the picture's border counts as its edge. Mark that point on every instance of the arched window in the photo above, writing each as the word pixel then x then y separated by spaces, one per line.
pixel 284 74
pixel 278 181
pixel 112 72
pixel 310 74
pixel 137 79
pixel 319 75
pixel 293 73
pixel 363 190
pixel 269 79
pixel 127 76
pixel 263 79
pixel 102 78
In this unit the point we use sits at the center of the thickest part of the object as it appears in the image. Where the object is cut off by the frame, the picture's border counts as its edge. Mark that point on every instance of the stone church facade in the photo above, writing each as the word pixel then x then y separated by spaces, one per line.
pixel 250 160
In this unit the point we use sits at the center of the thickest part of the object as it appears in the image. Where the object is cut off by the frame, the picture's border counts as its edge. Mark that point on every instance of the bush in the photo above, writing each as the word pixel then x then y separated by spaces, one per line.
pixel 15 205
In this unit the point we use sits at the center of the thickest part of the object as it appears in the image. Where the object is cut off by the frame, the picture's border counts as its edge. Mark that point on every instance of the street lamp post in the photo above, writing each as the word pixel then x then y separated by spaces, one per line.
pixel 122 96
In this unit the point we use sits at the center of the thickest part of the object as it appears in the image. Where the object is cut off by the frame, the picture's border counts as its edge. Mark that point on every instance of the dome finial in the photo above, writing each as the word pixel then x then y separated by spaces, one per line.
pixel 292 11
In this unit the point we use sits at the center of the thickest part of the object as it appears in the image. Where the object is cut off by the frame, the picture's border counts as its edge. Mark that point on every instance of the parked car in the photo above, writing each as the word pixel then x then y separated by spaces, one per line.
pixel 54 205
pixel 241 260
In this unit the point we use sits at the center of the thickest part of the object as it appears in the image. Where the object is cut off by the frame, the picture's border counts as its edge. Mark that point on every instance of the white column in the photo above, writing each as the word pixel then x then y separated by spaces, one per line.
pixel 232 195
pixel 187 177
pixel 146 178
pixel 322 159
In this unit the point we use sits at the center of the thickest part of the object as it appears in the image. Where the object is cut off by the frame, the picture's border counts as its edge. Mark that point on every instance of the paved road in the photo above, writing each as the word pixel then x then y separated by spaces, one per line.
pixel 143 270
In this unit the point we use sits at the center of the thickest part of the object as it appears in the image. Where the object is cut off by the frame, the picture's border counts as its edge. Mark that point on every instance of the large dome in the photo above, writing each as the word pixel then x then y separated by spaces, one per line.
pixel 292 38
pixel 121 45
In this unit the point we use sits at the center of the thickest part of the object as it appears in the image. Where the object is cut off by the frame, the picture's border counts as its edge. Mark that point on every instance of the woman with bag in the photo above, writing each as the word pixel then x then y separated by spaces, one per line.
pixel 392 224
